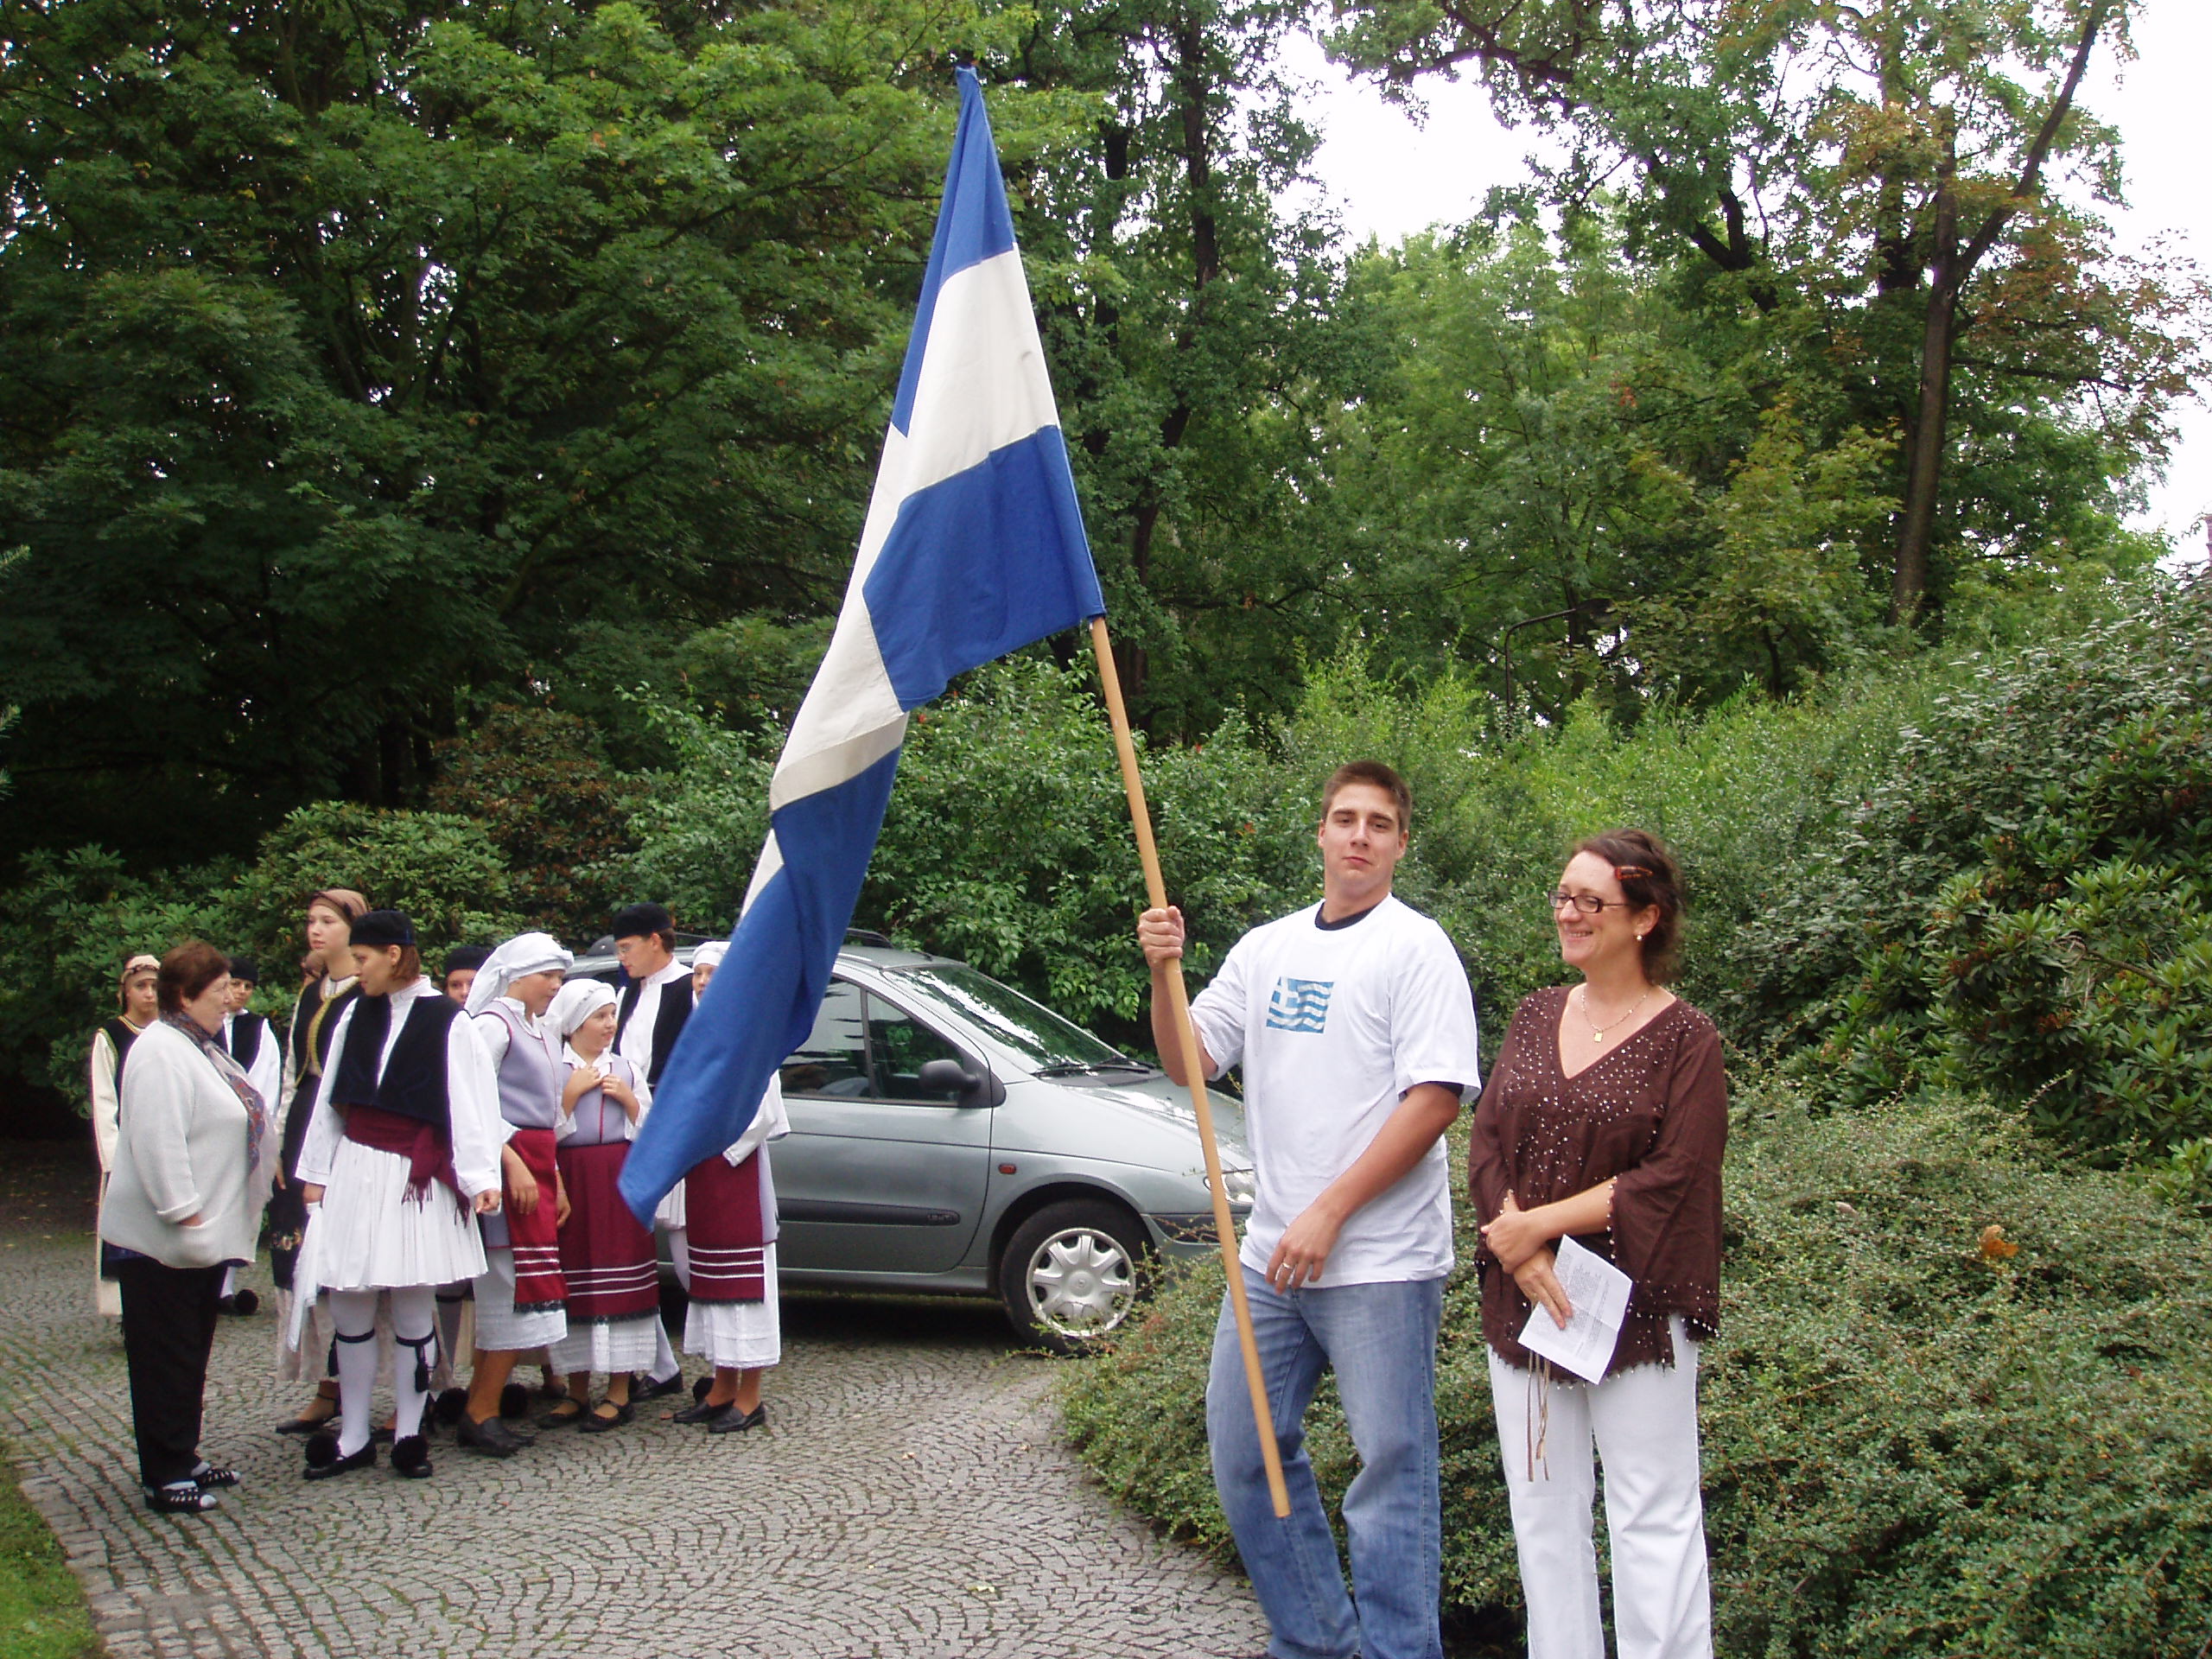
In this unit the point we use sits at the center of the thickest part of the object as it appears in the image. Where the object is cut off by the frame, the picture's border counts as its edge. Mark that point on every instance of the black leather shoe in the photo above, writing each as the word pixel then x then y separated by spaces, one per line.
pixel 307 1425
pixel 733 1421
pixel 569 1411
pixel 490 1437
pixel 701 1413
pixel 645 1388
pixel 595 1423
pixel 325 1463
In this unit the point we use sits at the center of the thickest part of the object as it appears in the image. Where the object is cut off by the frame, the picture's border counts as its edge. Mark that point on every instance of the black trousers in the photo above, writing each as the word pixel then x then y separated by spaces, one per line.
pixel 169 1327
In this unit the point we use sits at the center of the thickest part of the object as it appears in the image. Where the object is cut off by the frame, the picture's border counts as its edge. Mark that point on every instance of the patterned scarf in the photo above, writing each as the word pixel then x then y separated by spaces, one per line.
pixel 256 1114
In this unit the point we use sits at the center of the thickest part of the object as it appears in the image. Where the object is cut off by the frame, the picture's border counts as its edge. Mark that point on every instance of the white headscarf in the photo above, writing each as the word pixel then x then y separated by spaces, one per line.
pixel 576 1001
pixel 526 953
pixel 710 953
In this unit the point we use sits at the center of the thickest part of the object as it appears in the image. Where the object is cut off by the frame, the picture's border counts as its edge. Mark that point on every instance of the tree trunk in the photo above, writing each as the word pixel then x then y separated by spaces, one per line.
pixel 1939 333
pixel 1952 266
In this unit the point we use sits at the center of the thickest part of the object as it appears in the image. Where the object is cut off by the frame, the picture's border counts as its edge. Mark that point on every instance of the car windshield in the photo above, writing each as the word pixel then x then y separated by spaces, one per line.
pixel 1047 1042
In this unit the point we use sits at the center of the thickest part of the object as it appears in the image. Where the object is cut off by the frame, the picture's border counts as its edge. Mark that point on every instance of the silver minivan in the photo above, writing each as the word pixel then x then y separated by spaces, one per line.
pixel 949 1134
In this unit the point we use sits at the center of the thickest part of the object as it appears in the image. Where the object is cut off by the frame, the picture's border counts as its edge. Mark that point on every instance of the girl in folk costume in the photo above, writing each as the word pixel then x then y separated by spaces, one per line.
pixel 609 1259
pixel 726 1256
pixel 137 1003
pixel 321 1004
pixel 402 1144
pixel 519 1292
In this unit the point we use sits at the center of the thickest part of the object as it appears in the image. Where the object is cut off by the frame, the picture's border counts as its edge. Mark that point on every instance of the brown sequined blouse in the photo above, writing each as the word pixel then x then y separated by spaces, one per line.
pixel 1652 1115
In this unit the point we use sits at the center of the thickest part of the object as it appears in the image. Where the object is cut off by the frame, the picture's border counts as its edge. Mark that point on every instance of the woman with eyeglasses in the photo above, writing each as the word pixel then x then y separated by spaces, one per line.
pixel 1604 1121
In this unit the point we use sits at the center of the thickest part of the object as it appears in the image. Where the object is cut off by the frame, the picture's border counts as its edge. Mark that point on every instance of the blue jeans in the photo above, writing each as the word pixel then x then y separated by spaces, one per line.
pixel 1381 1341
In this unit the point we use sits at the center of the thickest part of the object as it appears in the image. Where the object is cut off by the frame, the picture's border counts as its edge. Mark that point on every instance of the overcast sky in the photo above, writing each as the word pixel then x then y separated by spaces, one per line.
pixel 1387 175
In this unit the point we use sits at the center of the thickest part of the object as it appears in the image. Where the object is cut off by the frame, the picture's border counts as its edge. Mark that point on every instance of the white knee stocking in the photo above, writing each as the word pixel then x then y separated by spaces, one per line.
pixel 353 1314
pixel 414 1350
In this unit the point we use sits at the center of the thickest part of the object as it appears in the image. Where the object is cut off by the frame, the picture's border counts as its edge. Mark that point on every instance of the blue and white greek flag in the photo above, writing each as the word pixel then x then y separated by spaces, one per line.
pixel 972 548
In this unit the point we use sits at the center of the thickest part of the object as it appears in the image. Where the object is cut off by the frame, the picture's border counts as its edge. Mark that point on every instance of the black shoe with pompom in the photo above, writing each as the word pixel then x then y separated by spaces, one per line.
pixel 514 1402
pixel 446 1410
pixel 325 1463
pixel 410 1457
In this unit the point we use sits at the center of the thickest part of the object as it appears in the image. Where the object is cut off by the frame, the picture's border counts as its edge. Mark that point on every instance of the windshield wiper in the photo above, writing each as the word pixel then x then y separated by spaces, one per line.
pixel 1071 1068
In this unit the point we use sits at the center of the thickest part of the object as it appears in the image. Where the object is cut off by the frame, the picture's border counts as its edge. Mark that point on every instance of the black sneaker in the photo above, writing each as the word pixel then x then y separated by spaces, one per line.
pixel 180 1498
pixel 208 1475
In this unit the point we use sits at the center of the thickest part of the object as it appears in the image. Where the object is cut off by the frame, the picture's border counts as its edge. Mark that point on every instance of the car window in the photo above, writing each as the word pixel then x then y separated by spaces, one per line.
pixel 1030 1029
pixel 834 1059
pixel 903 1045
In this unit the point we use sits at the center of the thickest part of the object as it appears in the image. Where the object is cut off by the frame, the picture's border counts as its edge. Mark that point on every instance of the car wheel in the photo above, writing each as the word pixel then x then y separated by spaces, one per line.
pixel 1072 1273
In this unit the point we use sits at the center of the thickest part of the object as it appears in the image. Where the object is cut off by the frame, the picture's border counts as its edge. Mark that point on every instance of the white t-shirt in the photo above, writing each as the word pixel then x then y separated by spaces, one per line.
pixel 1333 1024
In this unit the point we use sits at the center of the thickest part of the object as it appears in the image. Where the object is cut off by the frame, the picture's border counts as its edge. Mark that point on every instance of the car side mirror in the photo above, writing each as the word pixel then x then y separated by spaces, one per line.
pixel 968 1088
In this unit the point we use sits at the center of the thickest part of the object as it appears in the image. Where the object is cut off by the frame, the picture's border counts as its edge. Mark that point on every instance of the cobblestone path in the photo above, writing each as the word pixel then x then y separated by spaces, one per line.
pixel 910 1499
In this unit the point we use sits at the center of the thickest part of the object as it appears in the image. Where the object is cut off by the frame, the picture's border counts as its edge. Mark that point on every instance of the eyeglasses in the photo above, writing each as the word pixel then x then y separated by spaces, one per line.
pixel 1588 903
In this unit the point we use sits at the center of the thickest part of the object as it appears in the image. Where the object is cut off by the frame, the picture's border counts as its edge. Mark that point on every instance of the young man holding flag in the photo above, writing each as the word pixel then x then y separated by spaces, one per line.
pixel 1355 1028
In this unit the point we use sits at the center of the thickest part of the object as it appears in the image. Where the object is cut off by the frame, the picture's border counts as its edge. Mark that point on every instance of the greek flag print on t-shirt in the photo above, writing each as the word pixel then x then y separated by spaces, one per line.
pixel 1300 1005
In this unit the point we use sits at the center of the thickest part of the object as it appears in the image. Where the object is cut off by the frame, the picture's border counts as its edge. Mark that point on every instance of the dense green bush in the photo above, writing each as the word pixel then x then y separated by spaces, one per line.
pixel 539 783
pixel 71 918
pixel 1922 1436
pixel 2020 902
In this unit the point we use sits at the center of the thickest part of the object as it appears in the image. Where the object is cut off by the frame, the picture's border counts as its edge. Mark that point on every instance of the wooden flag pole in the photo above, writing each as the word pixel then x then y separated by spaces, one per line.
pixel 1178 1002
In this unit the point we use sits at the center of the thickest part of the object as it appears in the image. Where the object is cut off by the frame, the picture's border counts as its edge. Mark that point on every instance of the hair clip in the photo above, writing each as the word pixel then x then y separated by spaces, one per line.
pixel 1630 873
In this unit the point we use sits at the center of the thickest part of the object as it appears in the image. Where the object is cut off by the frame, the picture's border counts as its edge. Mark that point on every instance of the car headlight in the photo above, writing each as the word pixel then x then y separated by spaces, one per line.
pixel 1242 1186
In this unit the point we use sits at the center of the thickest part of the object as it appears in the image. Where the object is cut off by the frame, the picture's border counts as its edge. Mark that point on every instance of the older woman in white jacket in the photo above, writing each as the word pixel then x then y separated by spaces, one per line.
pixel 192 1156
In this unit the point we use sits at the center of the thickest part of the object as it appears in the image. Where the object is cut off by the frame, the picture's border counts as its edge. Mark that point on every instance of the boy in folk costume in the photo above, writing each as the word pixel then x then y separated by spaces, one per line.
pixel 725 1253
pixel 461 963
pixel 248 1039
pixel 613 1272
pixel 402 1146
pixel 136 1008
pixel 650 1015
pixel 520 1293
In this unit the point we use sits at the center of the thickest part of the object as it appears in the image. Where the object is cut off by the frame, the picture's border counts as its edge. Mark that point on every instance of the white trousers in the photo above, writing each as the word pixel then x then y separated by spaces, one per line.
pixel 1644 1425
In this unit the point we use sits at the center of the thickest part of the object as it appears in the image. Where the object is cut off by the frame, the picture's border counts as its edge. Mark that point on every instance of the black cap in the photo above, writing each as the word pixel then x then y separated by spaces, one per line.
pixel 463 956
pixel 380 928
pixel 635 921
pixel 246 968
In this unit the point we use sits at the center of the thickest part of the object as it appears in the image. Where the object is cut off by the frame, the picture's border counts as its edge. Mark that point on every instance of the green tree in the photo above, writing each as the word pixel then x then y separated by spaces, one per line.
pixel 359 355
pixel 1896 168
pixel 1197 334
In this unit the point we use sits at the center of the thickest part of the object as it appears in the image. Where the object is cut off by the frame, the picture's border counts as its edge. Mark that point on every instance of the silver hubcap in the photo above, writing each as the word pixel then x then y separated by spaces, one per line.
pixel 1081 1283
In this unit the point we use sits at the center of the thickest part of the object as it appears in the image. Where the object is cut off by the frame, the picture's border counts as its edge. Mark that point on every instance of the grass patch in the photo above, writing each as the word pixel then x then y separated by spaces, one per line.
pixel 42 1611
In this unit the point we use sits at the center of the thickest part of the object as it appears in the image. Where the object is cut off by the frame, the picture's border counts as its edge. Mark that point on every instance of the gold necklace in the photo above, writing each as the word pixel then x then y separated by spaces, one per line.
pixel 1597 1032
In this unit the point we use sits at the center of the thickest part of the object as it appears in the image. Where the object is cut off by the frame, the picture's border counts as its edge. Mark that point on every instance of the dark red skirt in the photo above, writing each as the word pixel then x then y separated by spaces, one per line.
pixel 536 1237
pixel 613 1273
pixel 726 1228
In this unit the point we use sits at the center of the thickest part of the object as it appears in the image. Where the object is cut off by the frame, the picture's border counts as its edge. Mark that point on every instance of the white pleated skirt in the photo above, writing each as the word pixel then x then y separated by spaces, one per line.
pixel 738 1336
pixel 499 1329
pixel 366 1235
pixel 608 1347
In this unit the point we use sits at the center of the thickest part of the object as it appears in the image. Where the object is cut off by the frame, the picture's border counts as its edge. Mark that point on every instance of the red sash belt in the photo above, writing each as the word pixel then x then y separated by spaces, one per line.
pixel 428 1158
pixel 726 1229
pixel 536 1237
pixel 609 1259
